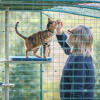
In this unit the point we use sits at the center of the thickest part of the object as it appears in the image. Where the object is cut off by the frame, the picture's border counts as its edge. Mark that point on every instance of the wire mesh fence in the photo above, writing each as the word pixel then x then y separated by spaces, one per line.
pixel 26 77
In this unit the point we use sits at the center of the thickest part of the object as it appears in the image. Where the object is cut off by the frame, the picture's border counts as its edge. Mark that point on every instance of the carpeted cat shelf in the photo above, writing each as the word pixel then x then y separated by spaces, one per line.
pixel 30 59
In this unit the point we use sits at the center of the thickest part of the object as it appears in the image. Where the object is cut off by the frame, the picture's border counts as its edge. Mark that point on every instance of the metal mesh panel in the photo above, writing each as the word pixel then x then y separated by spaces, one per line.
pixel 42 81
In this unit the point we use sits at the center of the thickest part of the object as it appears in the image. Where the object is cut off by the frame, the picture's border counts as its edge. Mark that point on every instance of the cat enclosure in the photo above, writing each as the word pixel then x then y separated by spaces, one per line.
pixel 38 79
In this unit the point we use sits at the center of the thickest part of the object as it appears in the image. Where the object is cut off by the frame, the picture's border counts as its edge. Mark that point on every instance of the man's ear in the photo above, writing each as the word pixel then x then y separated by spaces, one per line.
pixel 49 20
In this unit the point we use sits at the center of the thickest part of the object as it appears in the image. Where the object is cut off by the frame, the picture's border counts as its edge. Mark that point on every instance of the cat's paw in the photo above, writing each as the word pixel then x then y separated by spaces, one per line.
pixel 26 56
pixel 45 57
pixel 39 57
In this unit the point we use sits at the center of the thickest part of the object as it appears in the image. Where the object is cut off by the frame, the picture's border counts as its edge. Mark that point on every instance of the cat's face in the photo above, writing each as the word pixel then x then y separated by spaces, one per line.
pixel 51 24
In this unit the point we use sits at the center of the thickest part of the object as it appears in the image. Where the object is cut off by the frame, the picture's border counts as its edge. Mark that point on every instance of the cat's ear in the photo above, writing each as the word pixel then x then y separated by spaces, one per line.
pixel 49 20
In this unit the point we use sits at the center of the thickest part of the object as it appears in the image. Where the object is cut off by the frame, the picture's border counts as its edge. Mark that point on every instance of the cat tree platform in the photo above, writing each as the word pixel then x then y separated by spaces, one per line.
pixel 23 60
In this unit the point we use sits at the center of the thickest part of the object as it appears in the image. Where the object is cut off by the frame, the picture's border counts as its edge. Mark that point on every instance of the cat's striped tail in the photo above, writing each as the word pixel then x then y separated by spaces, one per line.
pixel 23 37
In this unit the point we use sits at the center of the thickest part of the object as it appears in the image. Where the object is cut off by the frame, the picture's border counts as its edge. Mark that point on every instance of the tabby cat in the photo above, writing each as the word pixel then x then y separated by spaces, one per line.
pixel 34 41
